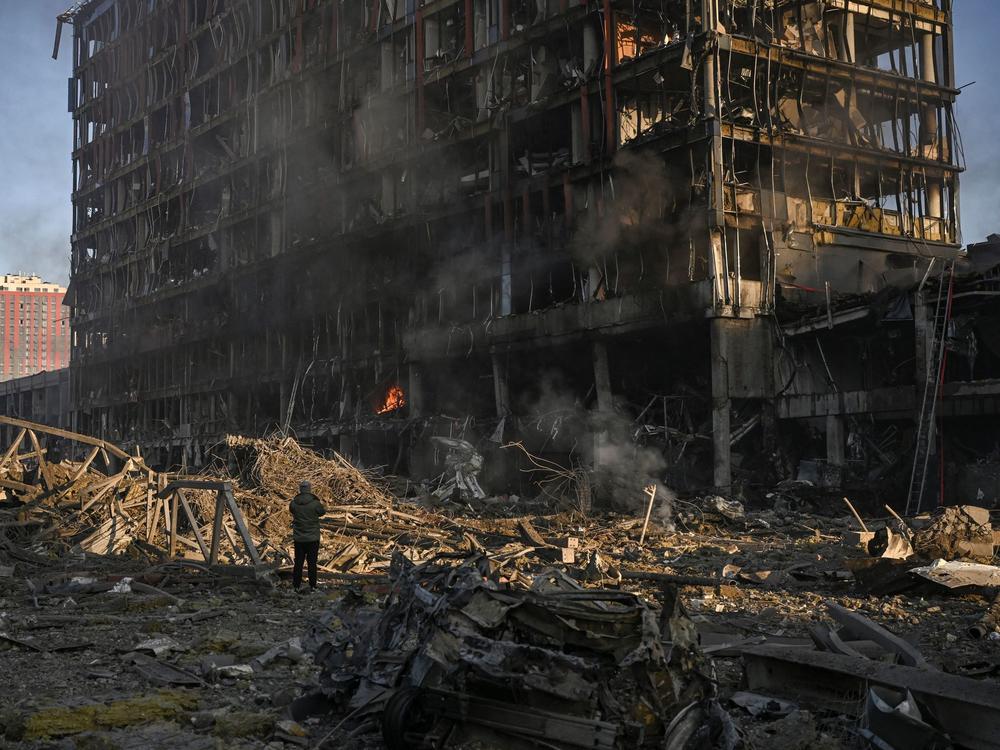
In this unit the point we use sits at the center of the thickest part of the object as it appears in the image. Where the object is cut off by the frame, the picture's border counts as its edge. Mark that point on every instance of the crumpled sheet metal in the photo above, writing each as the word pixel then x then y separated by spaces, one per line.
pixel 462 466
pixel 956 575
pixel 555 646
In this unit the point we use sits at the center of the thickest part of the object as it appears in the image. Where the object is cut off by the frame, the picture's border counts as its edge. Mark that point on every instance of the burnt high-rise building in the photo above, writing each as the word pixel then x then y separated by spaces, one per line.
pixel 372 221
pixel 34 326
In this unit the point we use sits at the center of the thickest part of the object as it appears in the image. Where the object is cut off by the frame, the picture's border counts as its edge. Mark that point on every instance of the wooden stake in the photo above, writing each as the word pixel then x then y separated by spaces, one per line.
pixel 855 512
pixel 651 491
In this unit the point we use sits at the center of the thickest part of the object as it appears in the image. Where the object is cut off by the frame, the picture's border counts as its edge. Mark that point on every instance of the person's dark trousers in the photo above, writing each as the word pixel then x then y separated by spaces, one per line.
pixel 305 551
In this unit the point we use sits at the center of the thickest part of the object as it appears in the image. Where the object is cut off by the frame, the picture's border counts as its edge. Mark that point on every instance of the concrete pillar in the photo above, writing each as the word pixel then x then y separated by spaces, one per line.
pixel 576 133
pixel 769 427
pixel 480 23
pixel 415 391
pixel 719 269
pixel 432 38
pixel 835 440
pixel 923 331
pixel 594 278
pixel 602 376
pixel 848 51
pixel 721 405
pixel 929 136
pixel 716 200
pixel 501 386
pixel 605 402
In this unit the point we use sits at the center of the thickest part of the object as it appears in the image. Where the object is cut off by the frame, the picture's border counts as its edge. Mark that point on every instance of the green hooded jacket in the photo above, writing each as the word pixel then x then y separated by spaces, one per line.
pixel 306 511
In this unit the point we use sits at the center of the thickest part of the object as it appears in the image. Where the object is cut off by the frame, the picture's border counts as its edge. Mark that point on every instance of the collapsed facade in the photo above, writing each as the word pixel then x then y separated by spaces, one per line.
pixel 723 229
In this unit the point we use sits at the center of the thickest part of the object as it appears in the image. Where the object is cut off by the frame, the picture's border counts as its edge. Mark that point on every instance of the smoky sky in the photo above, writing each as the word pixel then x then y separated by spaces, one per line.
pixel 976 22
pixel 36 132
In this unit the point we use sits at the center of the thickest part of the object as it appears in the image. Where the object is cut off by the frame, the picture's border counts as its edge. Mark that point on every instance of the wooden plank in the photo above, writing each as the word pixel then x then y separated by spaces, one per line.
pixel 75 437
pixel 220 507
pixel 149 506
pixel 13 485
pixel 194 525
pixel 94 498
pixel 170 510
pixel 61 491
pixel 154 523
pixel 43 465
pixel 85 465
pixel 241 525
pixel 183 540
pixel 153 517
pixel 232 538
pixel 20 457
pixel 192 484
pixel 967 709
pixel 13 447
pixel 99 489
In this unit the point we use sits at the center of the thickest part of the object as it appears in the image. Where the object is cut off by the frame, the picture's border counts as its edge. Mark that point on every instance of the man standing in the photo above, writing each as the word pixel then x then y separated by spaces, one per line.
pixel 306 511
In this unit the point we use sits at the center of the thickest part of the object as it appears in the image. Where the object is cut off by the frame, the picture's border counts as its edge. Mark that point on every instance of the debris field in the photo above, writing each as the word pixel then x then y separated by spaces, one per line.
pixel 459 622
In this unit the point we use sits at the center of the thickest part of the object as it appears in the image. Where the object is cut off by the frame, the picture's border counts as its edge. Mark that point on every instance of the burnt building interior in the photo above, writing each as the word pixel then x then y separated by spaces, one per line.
pixel 724 233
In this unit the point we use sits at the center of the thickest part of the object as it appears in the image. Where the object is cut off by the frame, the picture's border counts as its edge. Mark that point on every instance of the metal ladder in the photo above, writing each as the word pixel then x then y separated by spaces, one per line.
pixel 932 390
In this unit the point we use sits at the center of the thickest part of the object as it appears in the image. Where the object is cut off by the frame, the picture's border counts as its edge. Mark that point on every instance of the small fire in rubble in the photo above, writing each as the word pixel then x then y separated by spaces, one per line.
pixel 394 399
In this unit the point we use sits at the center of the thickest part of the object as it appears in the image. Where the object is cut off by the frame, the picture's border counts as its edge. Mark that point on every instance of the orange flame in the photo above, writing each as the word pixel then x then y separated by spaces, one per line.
pixel 394 399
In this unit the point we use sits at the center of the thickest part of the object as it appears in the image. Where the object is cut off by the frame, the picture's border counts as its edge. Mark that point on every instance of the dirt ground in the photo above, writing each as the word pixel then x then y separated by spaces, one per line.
pixel 180 664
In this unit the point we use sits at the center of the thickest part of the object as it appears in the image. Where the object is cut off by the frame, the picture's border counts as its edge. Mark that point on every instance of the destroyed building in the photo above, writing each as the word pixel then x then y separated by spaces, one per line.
pixel 42 397
pixel 728 224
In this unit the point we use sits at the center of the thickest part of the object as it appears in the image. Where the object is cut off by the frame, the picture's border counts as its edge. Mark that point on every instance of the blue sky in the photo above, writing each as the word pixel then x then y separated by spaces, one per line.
pixel 35 139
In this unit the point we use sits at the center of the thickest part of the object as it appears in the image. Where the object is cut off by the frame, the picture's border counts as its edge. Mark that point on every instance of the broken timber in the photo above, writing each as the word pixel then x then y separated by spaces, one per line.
pixel 172 497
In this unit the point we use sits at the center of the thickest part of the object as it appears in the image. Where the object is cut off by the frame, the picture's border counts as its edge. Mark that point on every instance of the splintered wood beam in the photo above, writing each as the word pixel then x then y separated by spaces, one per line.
pixel 98 495
pixel 240 523
pixel 154 522
pixel 220 507
pixel 174 506
pixel 85 465
pixel 194 525
pixel 231 537
pixel 75 437
pixel 26 456
pixel 43 465
pixel 13 485
pixel 13 447
pixel 192 484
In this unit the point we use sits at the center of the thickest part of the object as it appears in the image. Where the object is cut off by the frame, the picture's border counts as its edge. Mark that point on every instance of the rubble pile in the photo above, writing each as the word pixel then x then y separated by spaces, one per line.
pixel 114 505
pixel 265 474
pixel 960 532
pixel 277 465
pixel 459 652
pixel 50 503
pixel 475 624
